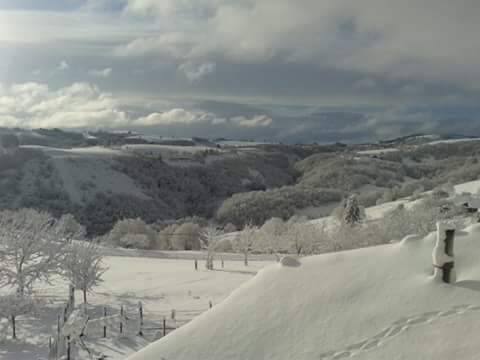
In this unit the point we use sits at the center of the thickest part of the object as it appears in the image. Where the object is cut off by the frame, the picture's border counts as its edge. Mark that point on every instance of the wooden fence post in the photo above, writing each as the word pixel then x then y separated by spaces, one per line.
pixel 14 330
pixel 164 326
pixel 69 348
pixel 121 319
pixel 196 264
pixel 52 354
pixel 105 325
pixel 59 336
pixel 140 319
pixel 210 304
pixel 443 257
pixel 223 263
pixel 71 297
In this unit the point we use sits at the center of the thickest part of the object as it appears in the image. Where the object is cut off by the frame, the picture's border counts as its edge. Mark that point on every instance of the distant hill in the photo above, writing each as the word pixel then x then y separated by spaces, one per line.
pixel 102 177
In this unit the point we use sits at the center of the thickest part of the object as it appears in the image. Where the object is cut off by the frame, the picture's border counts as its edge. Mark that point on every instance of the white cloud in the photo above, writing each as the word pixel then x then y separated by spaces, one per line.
pixel 176 45
pixel 79 105
pixel 101 73
pixel 63 66
pixel 179 117
pixel 195 72
pixel 186 117
pixel 82 105
pixel 256 121
pixel 429 40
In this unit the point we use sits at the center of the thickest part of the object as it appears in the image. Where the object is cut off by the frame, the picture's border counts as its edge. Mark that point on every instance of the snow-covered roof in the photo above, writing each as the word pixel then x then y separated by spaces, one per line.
pixel 372 303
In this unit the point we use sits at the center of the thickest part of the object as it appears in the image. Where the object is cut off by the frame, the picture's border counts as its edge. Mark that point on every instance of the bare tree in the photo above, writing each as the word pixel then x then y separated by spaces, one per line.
pixel 210 238
pixel 246 240
pixel 83 266
pixel 32 246
pixel 13 305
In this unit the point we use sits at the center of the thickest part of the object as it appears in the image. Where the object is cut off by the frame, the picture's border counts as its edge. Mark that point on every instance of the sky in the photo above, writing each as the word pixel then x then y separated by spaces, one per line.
pixel 278 70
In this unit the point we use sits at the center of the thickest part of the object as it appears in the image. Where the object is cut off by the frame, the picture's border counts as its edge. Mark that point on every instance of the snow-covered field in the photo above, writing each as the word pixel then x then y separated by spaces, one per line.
pixel 452 141
pixel 235 143
pixel 377 151
pixel 161 149
pixel 92 150
pixel 373 303
pixel 160 284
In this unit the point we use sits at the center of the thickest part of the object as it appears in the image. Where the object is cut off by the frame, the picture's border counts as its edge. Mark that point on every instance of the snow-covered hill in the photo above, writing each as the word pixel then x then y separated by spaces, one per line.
pixel 84 172
pixel 372 303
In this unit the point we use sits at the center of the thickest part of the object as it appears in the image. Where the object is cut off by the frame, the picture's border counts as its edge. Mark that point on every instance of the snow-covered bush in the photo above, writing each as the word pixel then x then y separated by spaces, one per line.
pixel 420 219
pixel 32 246
pixel 229 228
pixel 132 233
pixel 165 237
pixel 83 266
pixel 186 237
pixel 135 241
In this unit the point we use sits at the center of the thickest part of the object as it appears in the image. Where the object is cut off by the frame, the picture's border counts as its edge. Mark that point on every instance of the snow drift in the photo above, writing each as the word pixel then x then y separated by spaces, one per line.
pixel 371 303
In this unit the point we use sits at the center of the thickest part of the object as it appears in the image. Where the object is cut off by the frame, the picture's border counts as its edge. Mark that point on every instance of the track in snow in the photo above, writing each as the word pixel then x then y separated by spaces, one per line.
pixel 394 330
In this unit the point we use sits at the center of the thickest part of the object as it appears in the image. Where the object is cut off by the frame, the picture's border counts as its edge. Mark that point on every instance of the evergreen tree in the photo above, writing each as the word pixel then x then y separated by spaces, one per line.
pixel 352 213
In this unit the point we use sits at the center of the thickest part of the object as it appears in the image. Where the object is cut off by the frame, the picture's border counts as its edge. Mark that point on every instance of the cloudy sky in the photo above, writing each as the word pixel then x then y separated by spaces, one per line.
pixel 285 70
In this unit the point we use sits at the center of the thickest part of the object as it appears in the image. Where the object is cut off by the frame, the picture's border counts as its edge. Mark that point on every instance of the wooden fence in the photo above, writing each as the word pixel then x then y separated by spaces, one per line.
pixel 77 325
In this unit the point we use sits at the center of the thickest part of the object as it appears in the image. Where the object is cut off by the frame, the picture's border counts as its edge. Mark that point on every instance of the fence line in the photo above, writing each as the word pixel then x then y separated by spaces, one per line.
pixel 74 326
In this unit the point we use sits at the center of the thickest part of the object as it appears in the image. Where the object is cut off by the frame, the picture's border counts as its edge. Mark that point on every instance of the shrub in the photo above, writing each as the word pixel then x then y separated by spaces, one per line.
pixel 132 233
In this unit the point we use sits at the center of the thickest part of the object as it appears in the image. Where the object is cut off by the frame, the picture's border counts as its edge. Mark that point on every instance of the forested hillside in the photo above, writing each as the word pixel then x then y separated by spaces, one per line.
pixel 163 183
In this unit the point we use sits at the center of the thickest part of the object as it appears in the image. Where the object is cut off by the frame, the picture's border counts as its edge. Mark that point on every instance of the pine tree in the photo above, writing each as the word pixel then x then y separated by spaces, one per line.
pixel 352 214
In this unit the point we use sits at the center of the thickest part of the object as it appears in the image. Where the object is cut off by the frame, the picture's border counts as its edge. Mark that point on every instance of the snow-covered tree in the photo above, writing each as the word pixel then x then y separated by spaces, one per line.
pixel 272 237
pixel 419 219
pixel 210 238
pixel 301 235
pixel 165 238
pixel 352 213
pixel 32 246
pixel 246 240
pixel 13 305
pixel 83 266
pixel 186 237
pixel 132 233
pixel 229 228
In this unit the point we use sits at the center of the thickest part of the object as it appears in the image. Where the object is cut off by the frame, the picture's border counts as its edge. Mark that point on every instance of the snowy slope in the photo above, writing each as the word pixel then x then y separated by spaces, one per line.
pixel 161 285
pixel 452 141
pixel 377 151
pixel 372 303
pixel 84 172
pixel 470 187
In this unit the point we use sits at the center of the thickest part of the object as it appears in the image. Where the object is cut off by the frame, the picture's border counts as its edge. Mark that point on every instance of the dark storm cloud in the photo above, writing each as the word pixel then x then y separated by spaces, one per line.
pixel 321 70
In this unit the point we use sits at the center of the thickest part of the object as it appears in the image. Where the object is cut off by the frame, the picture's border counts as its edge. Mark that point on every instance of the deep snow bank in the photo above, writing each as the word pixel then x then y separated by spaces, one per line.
pixel 369 303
